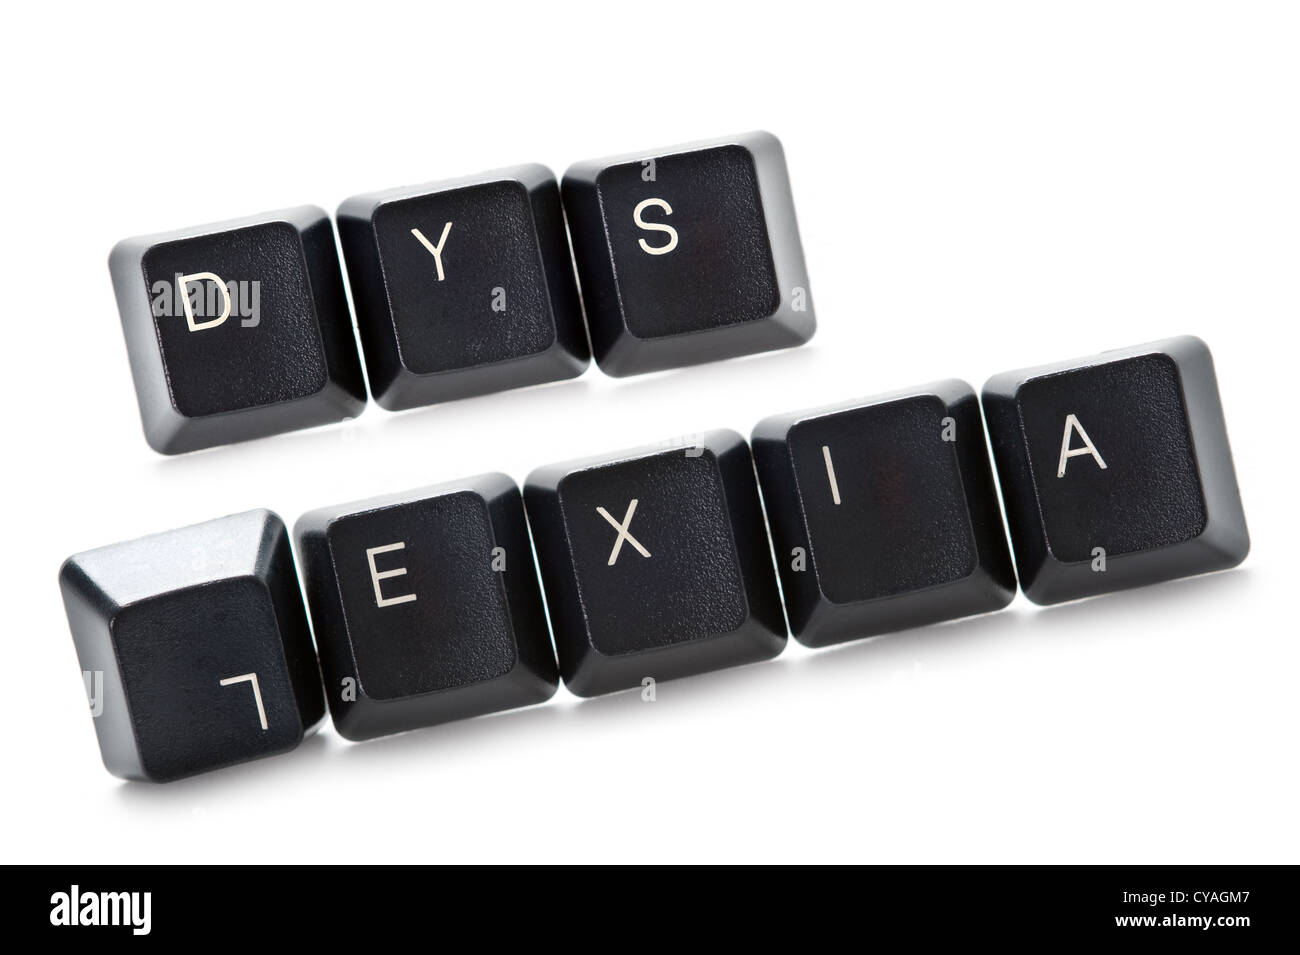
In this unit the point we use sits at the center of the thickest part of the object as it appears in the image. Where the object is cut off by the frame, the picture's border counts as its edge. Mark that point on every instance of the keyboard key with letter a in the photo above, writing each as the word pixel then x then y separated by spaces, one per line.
pixel 1116 470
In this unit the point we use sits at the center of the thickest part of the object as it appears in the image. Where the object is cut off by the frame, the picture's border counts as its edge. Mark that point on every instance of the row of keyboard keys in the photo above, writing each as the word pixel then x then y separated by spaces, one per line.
pixel 655 562
pixel 241 329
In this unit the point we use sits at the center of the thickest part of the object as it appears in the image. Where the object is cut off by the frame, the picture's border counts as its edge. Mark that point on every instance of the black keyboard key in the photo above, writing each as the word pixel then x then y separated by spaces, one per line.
pixel 1116 470
pixel 237 330
pixel 688 254
pixel 463 287
pixel 656 563
pixel 884 513
pixel 194 646
pixel 426 606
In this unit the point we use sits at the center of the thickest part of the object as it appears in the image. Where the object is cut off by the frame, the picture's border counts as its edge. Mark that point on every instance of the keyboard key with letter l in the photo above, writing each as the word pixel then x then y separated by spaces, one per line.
pixel 463 287
pixel 237 330
pixel 884 513
pixel 1116 470
pixel 194 646
pixel 656 563
pixel 426 606
pixel 688 254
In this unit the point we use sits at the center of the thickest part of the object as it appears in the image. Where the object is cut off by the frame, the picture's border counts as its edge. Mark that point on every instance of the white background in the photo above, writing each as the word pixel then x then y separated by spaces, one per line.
pixel 979 187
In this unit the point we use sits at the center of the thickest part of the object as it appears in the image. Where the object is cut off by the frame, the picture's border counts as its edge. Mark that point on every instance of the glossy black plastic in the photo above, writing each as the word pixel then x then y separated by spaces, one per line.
pixel 195 647
pixel 883 513
pixel 688 254
pixel 463 287
pixel 656 563
pixel 1116 470
pixel 426 606
pixel 238 329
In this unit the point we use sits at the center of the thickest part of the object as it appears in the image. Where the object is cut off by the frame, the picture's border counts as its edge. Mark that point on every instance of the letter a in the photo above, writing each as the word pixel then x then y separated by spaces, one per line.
pixel 1072 424
pixel 61 906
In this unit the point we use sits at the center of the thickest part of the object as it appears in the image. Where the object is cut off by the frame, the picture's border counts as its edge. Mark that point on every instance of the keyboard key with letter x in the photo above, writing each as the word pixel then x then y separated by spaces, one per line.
pixel 655 563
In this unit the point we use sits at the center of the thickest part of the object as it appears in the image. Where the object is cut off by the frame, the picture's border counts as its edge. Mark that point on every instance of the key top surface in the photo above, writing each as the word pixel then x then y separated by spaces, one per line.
pixel 463 287
pixel 656 563
pixel 238 329
pixel 883 513
pixel 198 647
pixel 426 606
pixel 1116 470
pixel 688 254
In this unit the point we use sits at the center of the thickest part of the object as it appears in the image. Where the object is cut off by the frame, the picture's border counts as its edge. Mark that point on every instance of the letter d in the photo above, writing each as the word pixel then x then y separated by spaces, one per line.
pixel 182 280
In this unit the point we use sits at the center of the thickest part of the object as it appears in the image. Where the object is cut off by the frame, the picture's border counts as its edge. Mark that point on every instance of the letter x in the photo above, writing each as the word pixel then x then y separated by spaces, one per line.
pixel 623 535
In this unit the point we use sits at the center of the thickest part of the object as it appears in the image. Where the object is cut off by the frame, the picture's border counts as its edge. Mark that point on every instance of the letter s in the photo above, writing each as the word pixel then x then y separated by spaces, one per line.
pixel 655 226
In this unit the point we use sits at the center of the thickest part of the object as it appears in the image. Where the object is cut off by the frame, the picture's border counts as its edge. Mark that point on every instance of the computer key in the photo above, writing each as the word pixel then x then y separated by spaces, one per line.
pixel 426 606
pixel 237 330
pixel 194 646
pixel 1116 470
pixel 463 287
pixel 884 513
pixel 688 254
pixel 655 562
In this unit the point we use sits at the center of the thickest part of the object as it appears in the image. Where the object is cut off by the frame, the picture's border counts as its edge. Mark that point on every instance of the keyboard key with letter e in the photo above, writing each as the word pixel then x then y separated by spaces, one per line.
pixel 426 606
